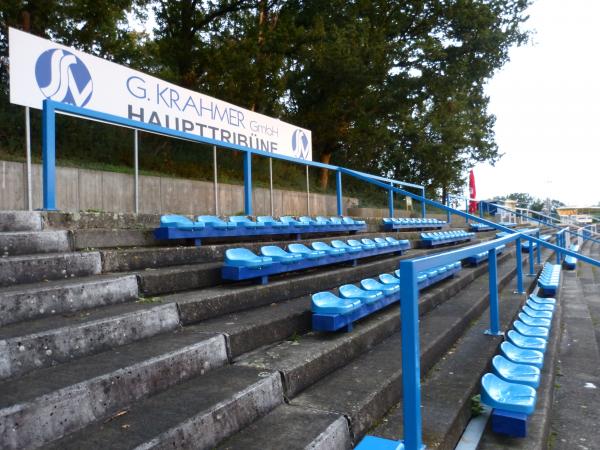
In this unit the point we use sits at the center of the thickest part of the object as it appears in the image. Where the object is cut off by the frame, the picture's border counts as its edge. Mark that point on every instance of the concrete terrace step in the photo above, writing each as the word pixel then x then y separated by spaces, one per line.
pixel 315 430
pixel 305 360
pixel 33 301
pixel 198 413
pixel 52 402
pixel 32 242
pixel 20 221
pixel 202 304
pixel 53 340
pixel 54 266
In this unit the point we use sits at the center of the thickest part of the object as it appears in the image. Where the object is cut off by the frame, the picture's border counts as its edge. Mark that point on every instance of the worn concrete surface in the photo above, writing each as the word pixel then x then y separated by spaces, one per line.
pixel 31 345
pixel 47 404
pixel 33 301
pixel 315 430
pixel 20 221
pixel 198 413
pixel 30 242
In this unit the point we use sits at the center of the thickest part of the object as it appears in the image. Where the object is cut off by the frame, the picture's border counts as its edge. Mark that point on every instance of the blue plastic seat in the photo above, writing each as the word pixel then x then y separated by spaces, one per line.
pixel 244 221
pixel 381 242
pixel 180 222
pixel 526 330
pixel 421 277
pixel 370 284
pixel 522 355
pixel 311 221
pixel 367 297
pixel 372 242
pixel 280 255
pixel 537 314
pixel 306 252
pixel 534 321
pixel 532 343
pixel 431 273
pixel 242 257
pixel 395 241
pixel 215 222
pixel 290 221
pixel 324 220
pixel 322 246
pixel 336 221
pixel 329 303
pixel 538 307
pixel 351 221
pixel 364 246
pixel 542 300
pixel 336 243
pixel 270 222
pixel 387 278
pixel 516 373
pixel 513 397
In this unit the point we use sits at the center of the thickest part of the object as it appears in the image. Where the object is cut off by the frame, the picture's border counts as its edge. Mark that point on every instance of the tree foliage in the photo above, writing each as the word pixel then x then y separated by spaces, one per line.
pixel 395 88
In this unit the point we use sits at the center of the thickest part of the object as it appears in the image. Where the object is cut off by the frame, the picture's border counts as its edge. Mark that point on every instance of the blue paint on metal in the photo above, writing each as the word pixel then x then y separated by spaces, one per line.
pixel 538 250
pixel 378 443
pixel 338 190
pixel 519 268
pixel 467 210
pixel 49 157
pixel 531 261
pixel 493 287
pixel 423 209
pixel 391 202
pixel 248 183
pixel 448 215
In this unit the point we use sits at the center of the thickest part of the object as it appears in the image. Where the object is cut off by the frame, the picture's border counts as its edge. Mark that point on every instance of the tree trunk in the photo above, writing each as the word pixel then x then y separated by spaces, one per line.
pixel 324 179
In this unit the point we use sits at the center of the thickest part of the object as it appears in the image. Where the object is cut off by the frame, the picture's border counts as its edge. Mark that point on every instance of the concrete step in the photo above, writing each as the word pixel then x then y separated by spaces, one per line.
pixel 202 304
pixel 306 359
pixel 47 404
pixel 55 266
pixel 198 413
pixel 33 301
pixel 315 430
pixel 32 242
pixel 165 280
pixel 26 346
pixel 20 221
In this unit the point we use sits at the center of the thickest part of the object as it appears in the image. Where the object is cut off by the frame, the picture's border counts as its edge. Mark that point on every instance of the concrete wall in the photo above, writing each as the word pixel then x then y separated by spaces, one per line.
pixel 81 189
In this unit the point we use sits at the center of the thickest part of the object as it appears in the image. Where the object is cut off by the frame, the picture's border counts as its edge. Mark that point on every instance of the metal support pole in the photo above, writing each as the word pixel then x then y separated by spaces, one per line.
pixel 539 249
pixel 49 157
pixel 467 210
pixel 28 156
pixel 248 183
pixel 519 268
pixel 338 190
pixel 136 178
pixel 531 262
pixel 215 180
pixel 391 202
pixel 307 193
pixel 559 243
pixel 448 215
pixel 411 356
pixel 271 185
pixel 480 209
pixel 493 286
pixel 423 211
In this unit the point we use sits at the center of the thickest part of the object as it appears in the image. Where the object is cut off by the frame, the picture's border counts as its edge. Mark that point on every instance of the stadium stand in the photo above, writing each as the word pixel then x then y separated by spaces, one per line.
pixel 445 237
pixel 390 223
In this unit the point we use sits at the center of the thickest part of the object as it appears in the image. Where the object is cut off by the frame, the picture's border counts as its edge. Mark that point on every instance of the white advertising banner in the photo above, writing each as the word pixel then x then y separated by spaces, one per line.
pixel 41 69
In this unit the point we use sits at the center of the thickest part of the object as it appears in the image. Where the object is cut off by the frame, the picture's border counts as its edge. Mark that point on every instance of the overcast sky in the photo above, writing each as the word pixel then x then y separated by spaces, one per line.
pixel 547 104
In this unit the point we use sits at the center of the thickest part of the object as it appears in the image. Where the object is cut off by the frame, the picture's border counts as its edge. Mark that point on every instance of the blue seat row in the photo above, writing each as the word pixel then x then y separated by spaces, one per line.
pixel 483 256
pixel 432 239
pixel 243 264
pixel 571 261
pixel 476 226
pixel 549 279
pixel 511 386
pixel 392 223
pixel 174 226
pixel 508 224
pixel 332 312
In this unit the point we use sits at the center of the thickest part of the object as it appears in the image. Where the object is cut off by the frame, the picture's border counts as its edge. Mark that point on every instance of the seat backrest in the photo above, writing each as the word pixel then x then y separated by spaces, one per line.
pixel 367 241
pixel 324 297
pixel 273 250
pixel 306 219
pixel 210 219
pixel 239 254
pixel 336 220
pixel 322 219
pixel 380 240
pixel 354 243
pixel 348 220
pixel 239 219
pixel 265 219
pixel 174 220
pixel 320 246
pixel 371 284
pixel 299 248
pixel 350 290
pixel 389 278
pixel 336 243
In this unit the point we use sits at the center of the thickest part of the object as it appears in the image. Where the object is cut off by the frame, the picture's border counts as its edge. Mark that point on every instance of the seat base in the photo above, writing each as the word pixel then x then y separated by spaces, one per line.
pixel 510 423
pixel 377 443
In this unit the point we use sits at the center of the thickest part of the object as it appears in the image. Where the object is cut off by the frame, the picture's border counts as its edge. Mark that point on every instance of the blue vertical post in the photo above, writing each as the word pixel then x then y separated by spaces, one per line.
pixel 338 187
pixel 493 286
pixel 49 156
pixel 391 202
pixel 539 249
pixel 423 203
pixel 519 268
pixel 411 355
pixel 248 183
pixel 480 209
pixel 531 262
pixel 467 210
pixel 448 215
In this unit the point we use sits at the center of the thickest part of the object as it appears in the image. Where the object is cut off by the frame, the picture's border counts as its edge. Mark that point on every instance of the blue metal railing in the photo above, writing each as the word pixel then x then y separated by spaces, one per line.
pixel 51 108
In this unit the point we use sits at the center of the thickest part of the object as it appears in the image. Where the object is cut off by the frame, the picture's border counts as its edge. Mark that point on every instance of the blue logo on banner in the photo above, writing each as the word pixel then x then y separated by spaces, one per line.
pixel 300 144
pixel 62 77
